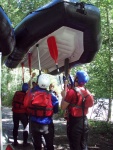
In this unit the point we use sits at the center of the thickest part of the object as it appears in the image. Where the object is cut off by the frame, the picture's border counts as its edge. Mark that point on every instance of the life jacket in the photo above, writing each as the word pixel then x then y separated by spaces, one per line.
pixel 80 108
pixel 18 102
pixel 39 103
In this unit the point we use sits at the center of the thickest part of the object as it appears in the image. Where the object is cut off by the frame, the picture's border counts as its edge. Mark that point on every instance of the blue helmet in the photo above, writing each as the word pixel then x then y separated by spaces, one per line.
pixel 25 87
pixel 82 77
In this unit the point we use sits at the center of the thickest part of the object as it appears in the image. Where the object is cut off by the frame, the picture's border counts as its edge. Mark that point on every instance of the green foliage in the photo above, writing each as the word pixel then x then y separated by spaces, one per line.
pixel 11 81
pixel 101 127
pixel 18 9
pixel 100 70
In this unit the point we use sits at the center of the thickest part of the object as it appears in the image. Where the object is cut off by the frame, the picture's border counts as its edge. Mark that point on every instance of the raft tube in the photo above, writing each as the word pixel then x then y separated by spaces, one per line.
pixel 7 37
pixel 75 25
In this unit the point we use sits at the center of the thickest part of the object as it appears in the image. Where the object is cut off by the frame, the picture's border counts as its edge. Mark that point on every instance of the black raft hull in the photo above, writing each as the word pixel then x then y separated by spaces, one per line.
pixel 76 27
pixel 7 37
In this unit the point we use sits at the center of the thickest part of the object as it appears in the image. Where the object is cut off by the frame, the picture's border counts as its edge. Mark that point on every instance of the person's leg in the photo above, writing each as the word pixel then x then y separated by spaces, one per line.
pixel 84 138
pixel 37 141
pixel 74 138
pixel 75 132
pixel 24 121
pixel 15 127
pixel 67 127
pixel 49 137
pixel 36 135
pixel 25 137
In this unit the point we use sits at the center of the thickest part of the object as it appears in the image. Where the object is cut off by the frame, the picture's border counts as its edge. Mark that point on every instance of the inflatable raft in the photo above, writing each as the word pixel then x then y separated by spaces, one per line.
pixel 74 25
pixel 7 37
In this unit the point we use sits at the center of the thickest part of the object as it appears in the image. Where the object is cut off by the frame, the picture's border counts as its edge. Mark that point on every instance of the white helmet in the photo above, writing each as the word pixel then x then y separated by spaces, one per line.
pixel 44 81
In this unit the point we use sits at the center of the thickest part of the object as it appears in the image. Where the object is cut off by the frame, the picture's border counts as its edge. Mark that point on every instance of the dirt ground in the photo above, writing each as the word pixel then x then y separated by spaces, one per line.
pixel 96 141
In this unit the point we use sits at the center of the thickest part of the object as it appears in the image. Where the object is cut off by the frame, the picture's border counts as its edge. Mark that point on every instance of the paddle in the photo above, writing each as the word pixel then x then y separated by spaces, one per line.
pixel 66 72
pixel 66 69
pixel 53 49
pixel 29 63
pixel 22 64
pixel 51 41
pixel 39 64
pixel 66 65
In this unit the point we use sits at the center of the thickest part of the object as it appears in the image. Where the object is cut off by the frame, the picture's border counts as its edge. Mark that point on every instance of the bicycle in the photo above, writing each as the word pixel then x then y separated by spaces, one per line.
pixel 100 110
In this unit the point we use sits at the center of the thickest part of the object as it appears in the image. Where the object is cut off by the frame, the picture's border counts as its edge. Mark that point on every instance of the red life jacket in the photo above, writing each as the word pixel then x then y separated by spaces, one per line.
pixel 18 102
pixel 39 103
pixel 83 102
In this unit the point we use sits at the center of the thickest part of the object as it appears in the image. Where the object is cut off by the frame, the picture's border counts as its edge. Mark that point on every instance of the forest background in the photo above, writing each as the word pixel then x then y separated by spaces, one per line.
pixel 100 69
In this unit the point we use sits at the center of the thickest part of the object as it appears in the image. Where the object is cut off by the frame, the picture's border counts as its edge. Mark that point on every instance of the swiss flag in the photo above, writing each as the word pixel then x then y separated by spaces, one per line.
pixel 9 147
